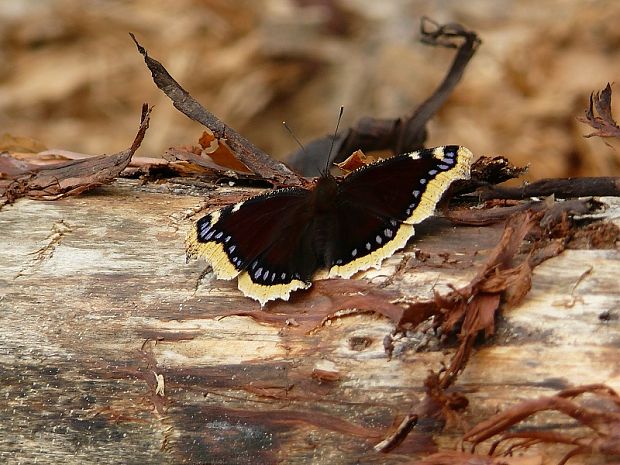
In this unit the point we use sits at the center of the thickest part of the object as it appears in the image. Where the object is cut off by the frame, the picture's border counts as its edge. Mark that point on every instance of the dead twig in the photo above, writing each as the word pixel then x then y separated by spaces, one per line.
pixel 406 133
pixel 561 188
pixel 251 156
pixel 73 177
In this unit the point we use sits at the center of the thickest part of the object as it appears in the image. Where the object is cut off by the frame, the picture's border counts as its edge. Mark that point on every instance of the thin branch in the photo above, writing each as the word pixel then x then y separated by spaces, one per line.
pixel 406 133
pixel 250 155
pixel 562 188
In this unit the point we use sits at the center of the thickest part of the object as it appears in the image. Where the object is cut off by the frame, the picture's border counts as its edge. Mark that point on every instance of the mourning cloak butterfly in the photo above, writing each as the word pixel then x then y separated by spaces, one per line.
pixel 276 242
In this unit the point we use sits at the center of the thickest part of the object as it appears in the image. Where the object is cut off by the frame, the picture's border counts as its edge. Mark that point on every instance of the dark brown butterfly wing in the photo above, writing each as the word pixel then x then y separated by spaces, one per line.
pixel 262 240
pixel 377 205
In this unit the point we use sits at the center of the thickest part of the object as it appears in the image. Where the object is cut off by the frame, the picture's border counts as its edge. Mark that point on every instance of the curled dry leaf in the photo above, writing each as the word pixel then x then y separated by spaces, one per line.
pixel 406 133
pixel 76 176
pixel 604 124
pixel 212 156
pixel 250 156
pixel 219 151
pixel 356 160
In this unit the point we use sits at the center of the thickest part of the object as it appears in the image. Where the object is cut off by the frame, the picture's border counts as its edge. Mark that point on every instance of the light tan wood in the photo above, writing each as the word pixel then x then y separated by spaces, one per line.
pixel 112 349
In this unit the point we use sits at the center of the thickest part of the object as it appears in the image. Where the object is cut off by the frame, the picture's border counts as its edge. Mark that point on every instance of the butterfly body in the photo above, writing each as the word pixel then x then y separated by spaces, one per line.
pixel 276 242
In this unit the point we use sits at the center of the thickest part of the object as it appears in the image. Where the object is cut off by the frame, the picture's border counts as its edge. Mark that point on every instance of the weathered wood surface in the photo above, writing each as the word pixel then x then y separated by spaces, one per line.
pixel 97 302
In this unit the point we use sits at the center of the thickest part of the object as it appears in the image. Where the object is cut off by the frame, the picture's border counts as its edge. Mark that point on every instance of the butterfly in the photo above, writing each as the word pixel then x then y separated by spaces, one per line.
pixel 276 242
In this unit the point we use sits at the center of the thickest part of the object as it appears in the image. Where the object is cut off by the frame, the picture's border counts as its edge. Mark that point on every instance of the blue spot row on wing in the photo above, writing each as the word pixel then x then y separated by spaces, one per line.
pixel 261 274
pixel 384 237
pixel 449 159
pixel 377 241
pixel 208 232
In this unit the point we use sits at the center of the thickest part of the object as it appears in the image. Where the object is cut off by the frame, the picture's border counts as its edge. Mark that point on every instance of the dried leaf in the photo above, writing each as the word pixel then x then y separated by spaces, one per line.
pixel 76 176
pixel 603 123
pixel 356 160
pixel 219 151
pixel 187 162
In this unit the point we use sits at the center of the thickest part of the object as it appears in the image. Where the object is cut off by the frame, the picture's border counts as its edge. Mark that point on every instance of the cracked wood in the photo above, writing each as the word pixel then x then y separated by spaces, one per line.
pixel 110 342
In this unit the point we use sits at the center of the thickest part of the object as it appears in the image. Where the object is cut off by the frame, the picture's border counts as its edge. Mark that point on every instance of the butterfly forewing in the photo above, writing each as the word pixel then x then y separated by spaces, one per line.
pixel 259 240
pixel 380 203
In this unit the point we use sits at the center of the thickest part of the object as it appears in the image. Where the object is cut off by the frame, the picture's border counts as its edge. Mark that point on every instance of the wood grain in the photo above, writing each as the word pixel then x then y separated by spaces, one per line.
pixel 112 349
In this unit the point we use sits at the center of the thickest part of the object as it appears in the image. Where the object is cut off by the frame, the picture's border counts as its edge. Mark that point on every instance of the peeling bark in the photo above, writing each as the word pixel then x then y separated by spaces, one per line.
pixel 98 312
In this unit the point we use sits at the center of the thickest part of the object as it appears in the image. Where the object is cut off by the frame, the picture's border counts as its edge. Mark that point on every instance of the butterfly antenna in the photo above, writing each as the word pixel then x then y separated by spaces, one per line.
pixel 331 148
pixel 290 131
pixel 301 146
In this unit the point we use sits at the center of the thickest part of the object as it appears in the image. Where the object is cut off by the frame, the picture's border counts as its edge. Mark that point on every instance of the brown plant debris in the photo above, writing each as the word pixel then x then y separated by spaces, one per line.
pixel 219 151
pixel 600 413
pixel 491 214
pixel 19 155
pixel 464 458
pixel 73 177
pixel 250 156
pixel 406 133
pixel 211 158
pixel 604 124
pixel 505 278
pixel 354 161
pixel 487 170
pixel 473 307
pixel 597 235
pixel 562 188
